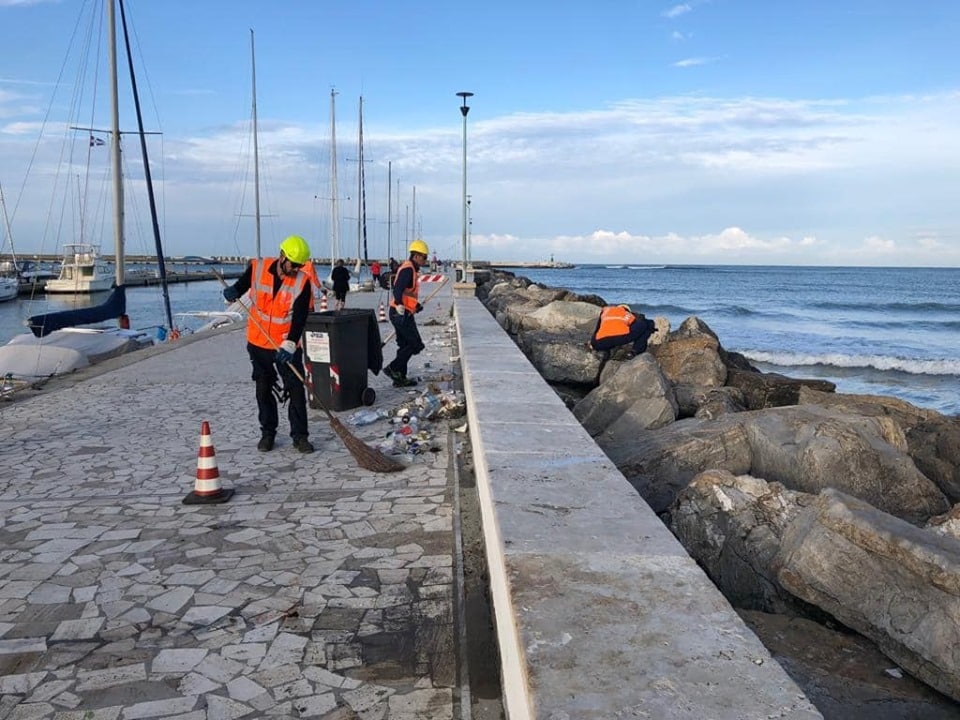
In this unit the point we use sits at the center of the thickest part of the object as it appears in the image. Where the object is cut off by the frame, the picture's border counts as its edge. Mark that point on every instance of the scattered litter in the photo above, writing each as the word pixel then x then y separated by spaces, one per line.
pixel 895 672
pixel 367 416
pixel 461 429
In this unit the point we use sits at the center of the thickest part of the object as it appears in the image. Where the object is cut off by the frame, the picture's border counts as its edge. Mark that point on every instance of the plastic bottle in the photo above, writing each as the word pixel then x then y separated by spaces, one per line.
pixel 366 416
pixel 431 405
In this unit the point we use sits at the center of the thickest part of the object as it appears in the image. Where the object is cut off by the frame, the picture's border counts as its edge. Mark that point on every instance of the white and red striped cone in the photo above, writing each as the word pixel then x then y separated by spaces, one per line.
pixel 382 313
pixel 207 489
pixel 323 302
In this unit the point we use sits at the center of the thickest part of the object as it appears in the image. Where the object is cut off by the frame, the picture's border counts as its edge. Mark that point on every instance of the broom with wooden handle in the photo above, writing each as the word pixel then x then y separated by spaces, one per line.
pixel 426 300
pixel 367 457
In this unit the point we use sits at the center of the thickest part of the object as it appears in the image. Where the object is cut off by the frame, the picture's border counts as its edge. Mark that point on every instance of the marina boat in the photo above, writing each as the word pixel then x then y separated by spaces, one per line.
pixel 9 288
pixel 81 271
pixel 56 344
pixel 9 273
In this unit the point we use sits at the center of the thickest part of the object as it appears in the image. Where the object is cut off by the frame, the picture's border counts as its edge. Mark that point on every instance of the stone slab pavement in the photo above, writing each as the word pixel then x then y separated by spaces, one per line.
pixel 319 590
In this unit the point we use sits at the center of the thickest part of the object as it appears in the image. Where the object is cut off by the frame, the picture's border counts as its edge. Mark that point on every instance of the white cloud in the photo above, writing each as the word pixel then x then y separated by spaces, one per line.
pixel 675 179
pixel 677 10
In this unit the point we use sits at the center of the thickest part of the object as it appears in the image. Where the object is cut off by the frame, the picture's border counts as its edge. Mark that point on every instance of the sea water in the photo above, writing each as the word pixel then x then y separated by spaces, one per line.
pixel 878 331
pixel 145 306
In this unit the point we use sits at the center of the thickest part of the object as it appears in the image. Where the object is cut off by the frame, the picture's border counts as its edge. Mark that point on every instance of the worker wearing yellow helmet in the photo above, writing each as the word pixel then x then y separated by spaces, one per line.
pixel 619 325
pixel 404 304
pixel 281 293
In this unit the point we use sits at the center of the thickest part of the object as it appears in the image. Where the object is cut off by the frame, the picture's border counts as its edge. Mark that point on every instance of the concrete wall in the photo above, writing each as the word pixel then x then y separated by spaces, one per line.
pixel 600 612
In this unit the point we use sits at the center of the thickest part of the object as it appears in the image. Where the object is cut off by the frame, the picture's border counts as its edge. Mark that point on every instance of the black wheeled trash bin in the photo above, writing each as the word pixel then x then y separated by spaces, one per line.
pixel 337 357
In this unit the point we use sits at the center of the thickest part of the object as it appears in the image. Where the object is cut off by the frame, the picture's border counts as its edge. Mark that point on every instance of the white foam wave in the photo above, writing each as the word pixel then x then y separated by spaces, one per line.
pixel 912 366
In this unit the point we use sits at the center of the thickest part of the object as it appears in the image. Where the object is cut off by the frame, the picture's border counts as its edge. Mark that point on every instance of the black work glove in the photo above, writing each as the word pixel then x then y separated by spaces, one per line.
pixel 419 307
pixel 230 294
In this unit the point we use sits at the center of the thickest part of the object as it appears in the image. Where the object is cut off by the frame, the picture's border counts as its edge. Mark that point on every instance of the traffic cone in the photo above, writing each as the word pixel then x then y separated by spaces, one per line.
pixel 382 317
pixel 323 301
pixel 207 490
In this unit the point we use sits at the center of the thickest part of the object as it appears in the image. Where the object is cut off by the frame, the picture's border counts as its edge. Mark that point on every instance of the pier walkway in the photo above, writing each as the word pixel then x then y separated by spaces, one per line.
pixel 319 590
pixel 324 590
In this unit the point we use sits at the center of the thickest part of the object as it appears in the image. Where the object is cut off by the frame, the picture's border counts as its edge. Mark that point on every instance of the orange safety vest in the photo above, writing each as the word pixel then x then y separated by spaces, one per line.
pixel 614 321
pixel 311 272
pixel 410 295
pixel 271 315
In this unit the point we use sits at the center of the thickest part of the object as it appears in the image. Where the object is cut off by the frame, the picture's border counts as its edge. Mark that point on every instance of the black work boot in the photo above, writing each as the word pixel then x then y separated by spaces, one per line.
pixel 266 441
pixel 301 443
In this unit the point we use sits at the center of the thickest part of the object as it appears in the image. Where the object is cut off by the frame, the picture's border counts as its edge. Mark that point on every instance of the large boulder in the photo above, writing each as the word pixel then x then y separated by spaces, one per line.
pixel 732 525
pixel 563 358
pixel 637 389
pixel 806 448
pixel 933 439
pixel 660 462
pixel 766 390
pixel 562 316
pixel 691 355
pixel 895 583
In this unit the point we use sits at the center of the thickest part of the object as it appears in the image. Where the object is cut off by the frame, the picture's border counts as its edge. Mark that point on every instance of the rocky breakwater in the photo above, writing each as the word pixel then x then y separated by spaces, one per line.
pixel 799 502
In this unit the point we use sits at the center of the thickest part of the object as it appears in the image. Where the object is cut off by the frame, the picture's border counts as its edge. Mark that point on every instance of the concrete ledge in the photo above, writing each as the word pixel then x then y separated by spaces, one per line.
pixel 600 612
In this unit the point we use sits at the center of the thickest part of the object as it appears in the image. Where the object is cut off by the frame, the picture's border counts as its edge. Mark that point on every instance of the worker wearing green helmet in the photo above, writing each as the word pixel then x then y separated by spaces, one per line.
pixel 281 293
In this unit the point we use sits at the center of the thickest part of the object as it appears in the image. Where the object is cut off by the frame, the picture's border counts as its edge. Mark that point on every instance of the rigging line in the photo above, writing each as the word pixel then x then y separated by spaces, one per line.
pixel 146 169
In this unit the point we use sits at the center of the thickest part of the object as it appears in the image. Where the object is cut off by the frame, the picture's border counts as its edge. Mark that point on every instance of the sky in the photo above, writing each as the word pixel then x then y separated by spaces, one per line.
pixel 762 132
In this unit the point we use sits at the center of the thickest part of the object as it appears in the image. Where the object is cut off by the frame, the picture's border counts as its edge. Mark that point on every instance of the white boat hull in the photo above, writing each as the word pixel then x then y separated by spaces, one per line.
pixel 62 351
pixel 78 286
pixel 9 289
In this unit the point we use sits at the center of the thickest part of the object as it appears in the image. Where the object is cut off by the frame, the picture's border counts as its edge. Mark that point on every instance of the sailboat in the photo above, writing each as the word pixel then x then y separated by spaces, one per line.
pixel 56 345
pixel 9 272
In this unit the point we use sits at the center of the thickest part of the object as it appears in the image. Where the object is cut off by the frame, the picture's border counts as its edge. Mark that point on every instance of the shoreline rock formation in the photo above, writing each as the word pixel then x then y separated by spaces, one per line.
pixel 840 509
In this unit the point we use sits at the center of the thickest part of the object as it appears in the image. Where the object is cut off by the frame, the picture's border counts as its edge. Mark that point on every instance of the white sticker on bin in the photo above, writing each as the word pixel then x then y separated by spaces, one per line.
pixel 318 346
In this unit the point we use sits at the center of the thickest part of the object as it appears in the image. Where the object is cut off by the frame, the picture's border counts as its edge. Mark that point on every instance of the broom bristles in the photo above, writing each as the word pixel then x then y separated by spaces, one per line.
pixel 367 457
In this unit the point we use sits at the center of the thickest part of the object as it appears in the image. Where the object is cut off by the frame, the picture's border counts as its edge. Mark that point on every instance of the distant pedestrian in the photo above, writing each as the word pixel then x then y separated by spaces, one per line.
pixel 341 284
pixel 618 325
pixel 404 304
pixel 375 271
pixel 280 293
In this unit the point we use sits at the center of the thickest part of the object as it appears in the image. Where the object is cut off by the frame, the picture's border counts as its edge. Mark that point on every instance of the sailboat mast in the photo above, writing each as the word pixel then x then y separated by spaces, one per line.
pixel 334 214
pixel 389 203
pixel 363 194
pixel 116 169
pixel 359 181
pixel 256 148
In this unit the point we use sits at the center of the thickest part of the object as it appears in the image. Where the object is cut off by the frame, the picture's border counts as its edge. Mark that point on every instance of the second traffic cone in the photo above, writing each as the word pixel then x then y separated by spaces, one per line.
pixel 383 313
pixel 207 489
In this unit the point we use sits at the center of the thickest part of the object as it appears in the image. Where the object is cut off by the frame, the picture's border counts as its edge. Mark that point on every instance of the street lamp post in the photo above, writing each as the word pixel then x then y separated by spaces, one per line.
pixel 469 233
pixel 464 109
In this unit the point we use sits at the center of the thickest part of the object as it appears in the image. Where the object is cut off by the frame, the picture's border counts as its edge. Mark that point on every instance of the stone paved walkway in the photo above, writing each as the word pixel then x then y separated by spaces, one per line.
pixel 320 590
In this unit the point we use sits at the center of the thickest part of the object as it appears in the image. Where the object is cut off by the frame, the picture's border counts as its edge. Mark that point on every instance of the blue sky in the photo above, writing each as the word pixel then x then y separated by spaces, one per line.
pixel 720 131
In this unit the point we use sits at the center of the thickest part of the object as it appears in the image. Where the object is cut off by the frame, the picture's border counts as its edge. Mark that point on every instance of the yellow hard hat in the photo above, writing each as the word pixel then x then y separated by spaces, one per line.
pixel 418 246
pixel 296 249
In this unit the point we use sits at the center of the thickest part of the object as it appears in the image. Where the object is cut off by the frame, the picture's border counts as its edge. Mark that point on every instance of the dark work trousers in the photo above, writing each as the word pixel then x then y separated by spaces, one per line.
pixel 408 340
pixel 640 332
pixel 265 372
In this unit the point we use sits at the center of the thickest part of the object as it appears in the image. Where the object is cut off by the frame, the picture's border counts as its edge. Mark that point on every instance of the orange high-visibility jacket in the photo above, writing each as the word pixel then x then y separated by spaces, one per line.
pixel 273 312
pixel 614 321
pixel 311 272
pixel 411 296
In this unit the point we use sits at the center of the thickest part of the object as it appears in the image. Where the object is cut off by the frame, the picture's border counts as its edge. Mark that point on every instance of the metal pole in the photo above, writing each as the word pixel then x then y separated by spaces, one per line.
pixel 464 109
